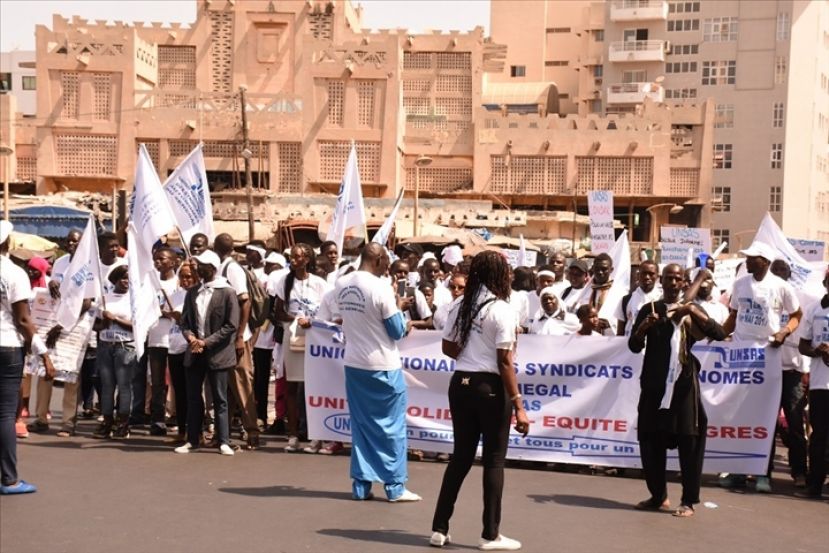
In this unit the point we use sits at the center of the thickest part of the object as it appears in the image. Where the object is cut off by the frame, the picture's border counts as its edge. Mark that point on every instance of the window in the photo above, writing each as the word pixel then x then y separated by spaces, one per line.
pixel 557 63
pixel 777 156
pixel 564 96
pixel 783 26
pixel 29 82
pixel 719 29
pixel 598 71
pixel 679 25
pixel 721 198
pixel 680 93
pixel 722 156
pixel 681 67
pixel 777 115
pixel 598 35
pixel 5 81
pixel 775 199
pixel 684 49
pixel 683 7
pixel 724 116
pixel 517 70
pixel 638 76
pixel 558 29
pixel 595 106
pixel 780 70
pixel 720 235
pixel 719 72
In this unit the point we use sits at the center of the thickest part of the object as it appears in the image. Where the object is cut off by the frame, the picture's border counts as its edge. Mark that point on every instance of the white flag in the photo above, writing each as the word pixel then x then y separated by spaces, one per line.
pixel 621 276
pixel 82 278
pixel 522 251
pixel 349 211
pixel 382 234
pixel 144 310
pixel 149 210
pixel 189 196
pixel 770 233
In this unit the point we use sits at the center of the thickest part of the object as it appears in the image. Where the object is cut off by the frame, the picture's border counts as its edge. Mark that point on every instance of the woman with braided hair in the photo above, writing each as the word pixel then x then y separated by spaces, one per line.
pixel 480 336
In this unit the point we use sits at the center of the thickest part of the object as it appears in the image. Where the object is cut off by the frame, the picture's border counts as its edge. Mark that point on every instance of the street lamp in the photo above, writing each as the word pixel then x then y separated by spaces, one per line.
pixel 421 161
pixel 6 151
pixel 672 209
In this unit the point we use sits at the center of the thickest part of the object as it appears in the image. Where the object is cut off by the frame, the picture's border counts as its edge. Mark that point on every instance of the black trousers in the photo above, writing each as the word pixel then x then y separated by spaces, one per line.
pixel 480 410
pixel 178 377
pixel 653 451
pixel 261 378
pixel 195 408
pixel 819 419
pixel 793 402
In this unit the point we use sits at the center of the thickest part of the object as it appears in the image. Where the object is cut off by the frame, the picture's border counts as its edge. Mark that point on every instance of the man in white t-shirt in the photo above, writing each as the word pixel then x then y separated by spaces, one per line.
pixel 108 250
pixel 264 338
pixel 712 305
pixel 646 293
pixel 375 387
pixel 70 244
pixel 814 343
pixel 759 301
pixel 241 377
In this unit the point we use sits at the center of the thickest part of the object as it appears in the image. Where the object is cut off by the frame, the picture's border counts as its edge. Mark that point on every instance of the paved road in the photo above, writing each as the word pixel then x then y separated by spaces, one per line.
pixel 138 496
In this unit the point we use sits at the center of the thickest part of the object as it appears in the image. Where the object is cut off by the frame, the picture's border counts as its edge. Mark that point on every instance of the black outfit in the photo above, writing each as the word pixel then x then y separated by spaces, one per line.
pixel 480 408
pixel 178 377
pixel 683 425
pixel 819 418
pixel 261 379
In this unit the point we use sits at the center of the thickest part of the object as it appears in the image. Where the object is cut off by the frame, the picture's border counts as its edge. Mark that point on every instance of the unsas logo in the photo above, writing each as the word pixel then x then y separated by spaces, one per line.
pixel 339 423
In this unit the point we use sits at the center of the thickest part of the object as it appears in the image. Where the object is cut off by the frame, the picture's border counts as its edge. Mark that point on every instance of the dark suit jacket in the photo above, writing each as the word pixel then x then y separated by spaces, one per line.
pixel 220 326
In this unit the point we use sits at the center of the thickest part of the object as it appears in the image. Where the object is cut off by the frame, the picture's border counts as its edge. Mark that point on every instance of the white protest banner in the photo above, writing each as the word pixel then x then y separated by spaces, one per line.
pixel 189 196
pixel 810 250
pixel 82 278
pixel 349 211
pixel 149 209
pixel 673 253
pixel 581 394
pixel 600 210
pixel 725 272
pixel 515 260
pixel 67 355
pixel 676 239
pixel 770 233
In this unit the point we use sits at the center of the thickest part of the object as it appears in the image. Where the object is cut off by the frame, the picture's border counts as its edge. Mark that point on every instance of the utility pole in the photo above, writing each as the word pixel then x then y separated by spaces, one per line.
pixel 246 155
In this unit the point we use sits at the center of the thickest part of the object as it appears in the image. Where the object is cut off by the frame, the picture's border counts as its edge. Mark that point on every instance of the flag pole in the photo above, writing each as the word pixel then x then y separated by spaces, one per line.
pixel 100 276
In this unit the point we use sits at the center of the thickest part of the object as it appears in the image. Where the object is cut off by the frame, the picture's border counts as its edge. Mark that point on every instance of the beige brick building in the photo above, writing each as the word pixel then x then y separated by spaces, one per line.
pixel 316 80
pixel 764 64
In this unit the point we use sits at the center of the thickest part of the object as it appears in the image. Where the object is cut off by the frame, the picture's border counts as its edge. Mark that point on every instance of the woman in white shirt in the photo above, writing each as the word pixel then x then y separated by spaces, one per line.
pixel 551 319
pixel 480 335
pixel 187 278
pixel 298 298
pixel 116 356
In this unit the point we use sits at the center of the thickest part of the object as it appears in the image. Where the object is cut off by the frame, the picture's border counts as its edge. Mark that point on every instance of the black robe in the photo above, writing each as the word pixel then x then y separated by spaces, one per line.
pixel 686 415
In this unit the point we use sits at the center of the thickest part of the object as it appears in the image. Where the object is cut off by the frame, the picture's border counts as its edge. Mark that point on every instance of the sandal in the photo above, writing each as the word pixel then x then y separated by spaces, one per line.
pixel 684 511
pixel 65 432
pixel 651 505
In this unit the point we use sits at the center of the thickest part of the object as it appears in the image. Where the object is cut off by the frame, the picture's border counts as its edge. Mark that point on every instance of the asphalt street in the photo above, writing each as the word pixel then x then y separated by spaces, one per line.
pixel 138 496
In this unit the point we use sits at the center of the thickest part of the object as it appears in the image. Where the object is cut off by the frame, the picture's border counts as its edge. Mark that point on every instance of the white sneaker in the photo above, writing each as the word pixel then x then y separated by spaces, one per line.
pixel 501 543
pixel 184 448
pixel 406 496
pixel 439 540
pixel 225 449
pixel 293 445
pixel 313 447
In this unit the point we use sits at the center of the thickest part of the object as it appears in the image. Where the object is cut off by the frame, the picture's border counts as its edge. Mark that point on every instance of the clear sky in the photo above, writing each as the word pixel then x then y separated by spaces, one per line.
pixel 19 17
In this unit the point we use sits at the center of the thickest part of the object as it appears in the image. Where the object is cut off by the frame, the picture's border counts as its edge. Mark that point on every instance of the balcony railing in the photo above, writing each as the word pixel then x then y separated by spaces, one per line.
pixel 634 93
pixel 637 50
pixel 638 10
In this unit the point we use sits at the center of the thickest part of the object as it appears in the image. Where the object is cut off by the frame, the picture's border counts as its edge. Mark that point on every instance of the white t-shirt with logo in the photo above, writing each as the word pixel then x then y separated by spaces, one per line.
pixel 235 276
pixel 106 269
pixel 158 335
pixel 638 299
pixel 177 344
pixel 306 295
pixel 493 328
pixel 364 302
pixel 118 305
pixel 760 304
pixel 14 287
pixel 815 327
pixel 59 267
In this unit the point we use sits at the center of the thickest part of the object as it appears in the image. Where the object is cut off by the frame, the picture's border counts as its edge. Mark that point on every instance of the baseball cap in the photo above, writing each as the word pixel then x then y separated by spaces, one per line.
pixel 257 249
pixel 276 258
pixel 580 264
pixel 760 249
pixel 209 257
pixel 6 229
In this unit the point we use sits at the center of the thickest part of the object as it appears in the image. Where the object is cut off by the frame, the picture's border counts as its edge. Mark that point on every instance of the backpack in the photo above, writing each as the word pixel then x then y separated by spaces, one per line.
pixel 260 302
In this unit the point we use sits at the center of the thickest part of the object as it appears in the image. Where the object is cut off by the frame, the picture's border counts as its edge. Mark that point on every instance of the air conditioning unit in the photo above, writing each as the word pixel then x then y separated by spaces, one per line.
pixel 667 47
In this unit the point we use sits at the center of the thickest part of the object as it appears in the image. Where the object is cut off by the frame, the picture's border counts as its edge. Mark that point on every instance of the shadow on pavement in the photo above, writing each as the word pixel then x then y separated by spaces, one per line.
pixel 289 491
pixel 391 537
pixel 581 501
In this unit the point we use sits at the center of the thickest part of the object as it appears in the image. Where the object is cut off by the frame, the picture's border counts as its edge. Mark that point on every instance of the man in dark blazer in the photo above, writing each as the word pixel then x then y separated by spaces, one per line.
pixel 209 322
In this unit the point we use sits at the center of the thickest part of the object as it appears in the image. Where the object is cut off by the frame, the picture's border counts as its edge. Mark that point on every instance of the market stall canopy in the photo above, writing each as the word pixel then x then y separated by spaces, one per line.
pixel 512 243
pixel 49 221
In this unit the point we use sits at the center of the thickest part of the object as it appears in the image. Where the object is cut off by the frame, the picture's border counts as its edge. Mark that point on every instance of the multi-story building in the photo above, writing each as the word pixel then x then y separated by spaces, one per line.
pixel 764 64
pixel 421 109
pixel 17 76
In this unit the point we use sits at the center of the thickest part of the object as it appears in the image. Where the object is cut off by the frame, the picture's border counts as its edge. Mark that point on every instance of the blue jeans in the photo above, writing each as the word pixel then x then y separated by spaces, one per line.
pixel 11 373
pixel 116 365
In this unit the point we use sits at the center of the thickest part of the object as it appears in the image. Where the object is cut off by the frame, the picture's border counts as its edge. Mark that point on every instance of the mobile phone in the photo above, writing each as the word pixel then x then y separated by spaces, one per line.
pixel 401 288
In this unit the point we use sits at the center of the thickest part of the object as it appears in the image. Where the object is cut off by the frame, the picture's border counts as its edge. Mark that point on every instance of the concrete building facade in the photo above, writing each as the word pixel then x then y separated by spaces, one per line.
pixel 425 112
pixel 762 63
